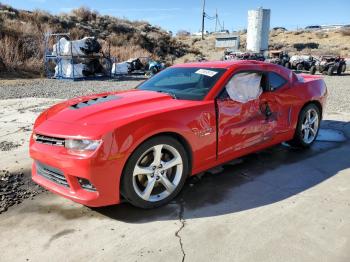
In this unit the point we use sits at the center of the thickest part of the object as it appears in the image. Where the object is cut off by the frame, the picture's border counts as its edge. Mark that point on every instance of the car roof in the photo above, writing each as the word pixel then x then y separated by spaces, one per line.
pixel 220 64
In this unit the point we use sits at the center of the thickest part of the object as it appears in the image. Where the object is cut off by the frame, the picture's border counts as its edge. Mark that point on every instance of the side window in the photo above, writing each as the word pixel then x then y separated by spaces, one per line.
pixel 275 81
pixel 244 86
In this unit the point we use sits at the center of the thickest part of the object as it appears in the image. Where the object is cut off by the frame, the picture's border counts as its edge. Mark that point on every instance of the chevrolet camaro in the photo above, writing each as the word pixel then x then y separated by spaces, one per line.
pixel 141 145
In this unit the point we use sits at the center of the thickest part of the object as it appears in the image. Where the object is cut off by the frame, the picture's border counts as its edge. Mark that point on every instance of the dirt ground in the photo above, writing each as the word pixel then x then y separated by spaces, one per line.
pixel 278 204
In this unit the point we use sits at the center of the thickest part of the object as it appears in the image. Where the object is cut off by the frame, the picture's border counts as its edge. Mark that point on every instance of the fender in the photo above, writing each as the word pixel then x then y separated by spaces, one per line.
pixel 199 131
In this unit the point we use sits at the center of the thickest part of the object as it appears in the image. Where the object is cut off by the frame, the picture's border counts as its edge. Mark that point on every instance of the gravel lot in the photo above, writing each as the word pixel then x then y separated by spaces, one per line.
pixel 338 86
pixel 339 94
pixel 52 88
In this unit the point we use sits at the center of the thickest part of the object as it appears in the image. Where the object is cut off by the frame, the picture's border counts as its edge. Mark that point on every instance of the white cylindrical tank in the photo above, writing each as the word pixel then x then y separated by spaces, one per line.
pixel 258 30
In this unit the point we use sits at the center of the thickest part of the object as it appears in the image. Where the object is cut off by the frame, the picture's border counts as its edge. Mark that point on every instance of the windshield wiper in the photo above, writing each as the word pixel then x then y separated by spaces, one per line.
pixel 168 93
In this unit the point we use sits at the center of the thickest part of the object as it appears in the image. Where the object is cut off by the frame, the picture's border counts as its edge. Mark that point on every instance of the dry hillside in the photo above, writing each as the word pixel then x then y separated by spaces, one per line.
pixel 22 34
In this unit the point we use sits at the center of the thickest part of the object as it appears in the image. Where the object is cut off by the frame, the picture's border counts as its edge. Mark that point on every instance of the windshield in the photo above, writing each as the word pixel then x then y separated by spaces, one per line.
pixel 184 83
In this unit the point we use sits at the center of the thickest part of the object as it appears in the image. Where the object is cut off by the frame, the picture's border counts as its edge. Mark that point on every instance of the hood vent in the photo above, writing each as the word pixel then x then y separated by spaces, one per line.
pixel 95 101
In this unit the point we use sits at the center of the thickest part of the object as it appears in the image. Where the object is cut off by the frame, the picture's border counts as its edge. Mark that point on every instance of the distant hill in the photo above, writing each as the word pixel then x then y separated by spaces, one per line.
pixel 336 42
pixel 22 45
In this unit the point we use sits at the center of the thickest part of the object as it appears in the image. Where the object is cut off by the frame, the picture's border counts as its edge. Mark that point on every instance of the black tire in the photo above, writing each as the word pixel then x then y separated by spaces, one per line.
pixel 330 70
pixel 127 187
pixel 298 140
pixel 343 68
pixel 287 65
pixel 313 70
pixel 300 67
pixel 339 70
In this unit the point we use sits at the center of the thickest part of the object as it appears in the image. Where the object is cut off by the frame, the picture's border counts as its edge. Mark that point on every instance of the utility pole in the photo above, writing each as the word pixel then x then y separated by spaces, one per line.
pixel 203 17
pixel 216 20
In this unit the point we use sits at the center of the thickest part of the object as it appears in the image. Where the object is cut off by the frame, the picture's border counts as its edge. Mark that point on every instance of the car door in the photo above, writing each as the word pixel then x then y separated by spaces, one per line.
pixel 241 124
pixel 276 103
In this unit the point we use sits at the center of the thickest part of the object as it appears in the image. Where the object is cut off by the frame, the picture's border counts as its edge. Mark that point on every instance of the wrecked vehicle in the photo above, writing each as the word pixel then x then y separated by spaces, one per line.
pixel 331 64
pixel 304 62
pixel 230 54
pixel 253 56
pixel 135 64
pixel 237 55
pixel 141 145
pixel 140 65
pixel 122 68
pixel 154 67
pixel 279 57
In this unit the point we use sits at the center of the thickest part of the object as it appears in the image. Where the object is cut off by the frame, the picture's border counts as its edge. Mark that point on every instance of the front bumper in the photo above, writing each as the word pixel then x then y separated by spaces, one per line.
pixel 102 172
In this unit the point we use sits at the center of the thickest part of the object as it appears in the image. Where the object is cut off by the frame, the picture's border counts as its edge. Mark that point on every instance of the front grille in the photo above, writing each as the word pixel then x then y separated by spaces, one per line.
pixel 51 173
pixel 54 141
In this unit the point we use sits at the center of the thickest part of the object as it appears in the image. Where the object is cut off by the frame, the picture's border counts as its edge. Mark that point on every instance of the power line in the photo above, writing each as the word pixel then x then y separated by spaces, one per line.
pixel 211 18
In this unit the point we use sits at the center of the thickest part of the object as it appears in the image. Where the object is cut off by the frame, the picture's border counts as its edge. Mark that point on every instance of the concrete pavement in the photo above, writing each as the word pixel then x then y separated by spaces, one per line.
pixel 280 204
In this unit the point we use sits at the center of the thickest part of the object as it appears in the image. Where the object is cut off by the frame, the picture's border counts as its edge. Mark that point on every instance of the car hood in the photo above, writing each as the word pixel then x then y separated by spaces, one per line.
pixel 117 107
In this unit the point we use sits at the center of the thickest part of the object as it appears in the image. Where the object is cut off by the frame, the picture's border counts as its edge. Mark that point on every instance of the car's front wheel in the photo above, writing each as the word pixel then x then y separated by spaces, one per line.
pixel 155 172
pixel 307 127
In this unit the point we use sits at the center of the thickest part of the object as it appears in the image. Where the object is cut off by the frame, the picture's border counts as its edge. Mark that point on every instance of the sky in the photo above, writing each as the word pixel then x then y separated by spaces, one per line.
pixel 186 14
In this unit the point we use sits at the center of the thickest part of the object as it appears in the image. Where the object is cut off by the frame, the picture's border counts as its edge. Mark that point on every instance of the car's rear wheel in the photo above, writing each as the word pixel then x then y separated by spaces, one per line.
pixel 307 127
pixel 155 172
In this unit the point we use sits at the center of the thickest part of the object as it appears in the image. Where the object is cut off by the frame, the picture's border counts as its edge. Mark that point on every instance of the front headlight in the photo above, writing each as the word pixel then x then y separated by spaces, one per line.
pixel 82 144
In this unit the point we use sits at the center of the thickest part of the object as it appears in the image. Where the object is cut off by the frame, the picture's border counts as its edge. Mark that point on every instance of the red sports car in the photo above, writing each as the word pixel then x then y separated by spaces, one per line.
pixel 142 144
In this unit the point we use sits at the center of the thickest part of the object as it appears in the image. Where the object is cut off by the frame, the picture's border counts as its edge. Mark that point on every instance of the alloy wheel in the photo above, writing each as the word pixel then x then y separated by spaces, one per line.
pixel 310 126
pixel 157 173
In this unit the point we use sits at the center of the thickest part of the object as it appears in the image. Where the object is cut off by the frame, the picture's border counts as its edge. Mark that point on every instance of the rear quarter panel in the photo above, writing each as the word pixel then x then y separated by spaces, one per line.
pixel 313 88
